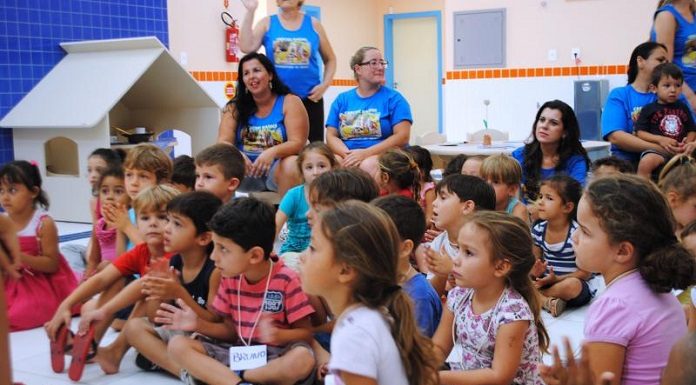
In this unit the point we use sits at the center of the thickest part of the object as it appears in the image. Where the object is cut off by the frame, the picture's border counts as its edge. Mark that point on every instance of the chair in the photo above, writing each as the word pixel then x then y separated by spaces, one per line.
pixel 430 138
pixel 477 137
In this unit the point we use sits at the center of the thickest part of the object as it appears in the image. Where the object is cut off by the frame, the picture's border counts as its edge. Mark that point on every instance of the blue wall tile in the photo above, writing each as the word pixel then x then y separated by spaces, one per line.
pixel 30 31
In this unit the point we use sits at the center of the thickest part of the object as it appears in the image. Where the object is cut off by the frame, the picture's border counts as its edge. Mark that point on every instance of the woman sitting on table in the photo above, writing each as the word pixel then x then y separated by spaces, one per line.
pixel 267 124
pixel 554 148
pixel 624 104
pixel 370 119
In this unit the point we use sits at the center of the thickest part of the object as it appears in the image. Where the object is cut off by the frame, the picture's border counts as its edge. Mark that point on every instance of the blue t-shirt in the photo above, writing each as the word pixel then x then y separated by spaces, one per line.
pixel 364 122
pixel 428 306
pixel 684 44
pixel 575 167
pixel 295 206
pixel 294 54
pixel 621 111
pixel 262 132
pixel 131 216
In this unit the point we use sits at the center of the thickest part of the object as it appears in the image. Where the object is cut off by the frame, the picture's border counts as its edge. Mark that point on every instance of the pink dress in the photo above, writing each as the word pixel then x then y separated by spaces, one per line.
pixel 107 240
pixel 33 299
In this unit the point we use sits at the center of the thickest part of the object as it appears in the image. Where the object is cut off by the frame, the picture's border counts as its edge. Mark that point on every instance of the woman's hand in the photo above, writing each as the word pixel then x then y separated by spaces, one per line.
pixel 262 164
pixel 353 158
pixel 177 318
pixel 316 93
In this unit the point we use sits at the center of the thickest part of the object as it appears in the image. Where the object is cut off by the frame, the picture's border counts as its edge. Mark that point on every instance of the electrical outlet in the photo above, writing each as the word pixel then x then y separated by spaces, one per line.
pixel 183 59
pixel 575 53
pixel 552 55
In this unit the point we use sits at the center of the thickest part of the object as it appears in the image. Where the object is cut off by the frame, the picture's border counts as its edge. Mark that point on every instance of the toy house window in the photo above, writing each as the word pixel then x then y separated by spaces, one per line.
pixel 61 157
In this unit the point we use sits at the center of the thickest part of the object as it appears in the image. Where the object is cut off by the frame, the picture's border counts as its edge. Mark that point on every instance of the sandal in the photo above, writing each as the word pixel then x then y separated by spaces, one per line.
pixel 59 347
pixel 84 349
pixel 555 306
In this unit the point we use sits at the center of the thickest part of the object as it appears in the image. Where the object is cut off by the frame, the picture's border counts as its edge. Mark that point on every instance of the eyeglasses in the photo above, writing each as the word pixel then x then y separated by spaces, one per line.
pixel 376 64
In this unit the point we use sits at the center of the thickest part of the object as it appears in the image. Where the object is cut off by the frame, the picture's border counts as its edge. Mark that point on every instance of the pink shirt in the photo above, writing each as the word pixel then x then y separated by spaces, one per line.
pixel 285 301
pixel 647 324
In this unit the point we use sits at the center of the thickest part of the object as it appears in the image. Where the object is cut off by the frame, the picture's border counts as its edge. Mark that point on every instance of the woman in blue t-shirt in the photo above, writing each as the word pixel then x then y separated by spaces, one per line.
pixel 624 104
pixel 675 27
pixel 267 124
pixel 554 148
pixel 294 41
pixel 369 119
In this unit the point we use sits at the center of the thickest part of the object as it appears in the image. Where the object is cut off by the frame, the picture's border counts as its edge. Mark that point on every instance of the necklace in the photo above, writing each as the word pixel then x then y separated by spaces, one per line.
pixel 618 277
pixel 239 306
pixel 492 313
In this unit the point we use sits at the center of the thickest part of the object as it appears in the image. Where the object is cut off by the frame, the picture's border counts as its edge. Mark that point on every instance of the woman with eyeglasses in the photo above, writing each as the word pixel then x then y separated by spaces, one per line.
pixel 369 119
pixel 293 41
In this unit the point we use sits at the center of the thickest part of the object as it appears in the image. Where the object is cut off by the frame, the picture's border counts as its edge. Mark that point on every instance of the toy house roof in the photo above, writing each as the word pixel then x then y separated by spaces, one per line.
pixel 95 75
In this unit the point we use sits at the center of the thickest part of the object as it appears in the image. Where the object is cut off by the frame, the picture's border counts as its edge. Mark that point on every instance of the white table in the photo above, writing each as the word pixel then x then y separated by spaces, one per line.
pixel 595 149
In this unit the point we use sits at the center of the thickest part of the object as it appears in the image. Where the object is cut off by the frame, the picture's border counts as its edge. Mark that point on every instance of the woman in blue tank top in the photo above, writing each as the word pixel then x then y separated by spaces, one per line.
pixel 370 119
pixel 675 27
pixel 293 41
pixel 267 124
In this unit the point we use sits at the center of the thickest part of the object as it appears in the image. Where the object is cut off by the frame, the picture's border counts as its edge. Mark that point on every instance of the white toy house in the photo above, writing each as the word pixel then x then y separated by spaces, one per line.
pixel 102 84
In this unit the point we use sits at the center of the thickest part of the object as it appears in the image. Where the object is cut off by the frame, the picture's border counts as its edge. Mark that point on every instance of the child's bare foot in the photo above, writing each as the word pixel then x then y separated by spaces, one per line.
pixel 108 359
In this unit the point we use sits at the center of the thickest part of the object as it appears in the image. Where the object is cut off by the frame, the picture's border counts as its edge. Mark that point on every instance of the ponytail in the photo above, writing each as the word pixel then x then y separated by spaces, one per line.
pixel 669 267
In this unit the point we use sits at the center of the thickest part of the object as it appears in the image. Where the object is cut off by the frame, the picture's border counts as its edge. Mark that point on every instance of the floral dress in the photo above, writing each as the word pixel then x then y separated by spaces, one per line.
pixel 474 334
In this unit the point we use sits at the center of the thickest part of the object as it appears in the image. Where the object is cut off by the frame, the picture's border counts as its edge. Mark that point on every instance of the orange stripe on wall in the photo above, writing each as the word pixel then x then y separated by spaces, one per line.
pixel 497 73
pixel 492 73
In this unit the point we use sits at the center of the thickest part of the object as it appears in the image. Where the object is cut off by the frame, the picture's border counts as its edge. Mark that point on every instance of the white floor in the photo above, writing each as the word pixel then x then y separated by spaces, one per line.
pixel 31 355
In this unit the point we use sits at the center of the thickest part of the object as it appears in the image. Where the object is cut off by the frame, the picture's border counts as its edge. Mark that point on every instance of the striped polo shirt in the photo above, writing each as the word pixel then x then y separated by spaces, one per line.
pixel 285 302
pixel 559 255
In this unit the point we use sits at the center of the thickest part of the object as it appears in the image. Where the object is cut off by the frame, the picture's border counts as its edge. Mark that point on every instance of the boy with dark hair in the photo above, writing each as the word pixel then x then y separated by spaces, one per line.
pixel 611 165
pixel 339 185
pixel 220 170
pixel 184 173
pixel 253 286
pixel 667 121
pixel 457 197
pixel 409 219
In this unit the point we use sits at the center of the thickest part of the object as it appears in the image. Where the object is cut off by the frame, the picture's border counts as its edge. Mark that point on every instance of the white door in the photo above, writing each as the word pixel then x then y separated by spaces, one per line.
pixel 415 70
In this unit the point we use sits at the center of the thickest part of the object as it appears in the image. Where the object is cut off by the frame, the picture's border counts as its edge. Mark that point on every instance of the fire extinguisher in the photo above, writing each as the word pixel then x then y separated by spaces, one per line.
pixel 231 37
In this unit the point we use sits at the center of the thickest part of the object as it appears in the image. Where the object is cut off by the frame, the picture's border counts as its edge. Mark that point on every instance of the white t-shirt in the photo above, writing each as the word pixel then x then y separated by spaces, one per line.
pixel 362 344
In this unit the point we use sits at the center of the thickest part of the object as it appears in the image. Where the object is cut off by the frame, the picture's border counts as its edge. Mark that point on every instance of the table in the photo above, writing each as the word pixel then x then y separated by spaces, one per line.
pixel 595 149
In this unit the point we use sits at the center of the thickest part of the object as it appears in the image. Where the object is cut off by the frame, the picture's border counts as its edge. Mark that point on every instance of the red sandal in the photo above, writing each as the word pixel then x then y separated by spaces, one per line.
pixel 59 347
pixel 84 349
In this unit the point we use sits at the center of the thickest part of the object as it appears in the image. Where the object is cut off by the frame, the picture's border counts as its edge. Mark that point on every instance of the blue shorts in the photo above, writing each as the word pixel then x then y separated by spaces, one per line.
pixel 264 183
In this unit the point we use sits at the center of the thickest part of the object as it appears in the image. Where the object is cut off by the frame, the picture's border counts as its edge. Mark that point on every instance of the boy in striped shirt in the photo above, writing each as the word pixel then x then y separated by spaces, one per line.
pixel 255 290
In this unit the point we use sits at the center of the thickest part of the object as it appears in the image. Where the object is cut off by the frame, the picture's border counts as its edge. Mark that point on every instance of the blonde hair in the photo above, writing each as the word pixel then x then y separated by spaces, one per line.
pixel 365 238
pixel 154 198
pixel 151 158
pixel 358 57
pixel 679 175
pixel 502 168
pixel 511 241
pixel 402 169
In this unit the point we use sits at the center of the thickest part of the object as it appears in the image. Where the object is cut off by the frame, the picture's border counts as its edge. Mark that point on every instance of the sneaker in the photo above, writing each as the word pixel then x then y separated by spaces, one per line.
pixel 145 364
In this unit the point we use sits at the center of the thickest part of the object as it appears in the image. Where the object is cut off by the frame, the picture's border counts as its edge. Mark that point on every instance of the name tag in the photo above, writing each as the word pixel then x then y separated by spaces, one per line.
pixel 247 357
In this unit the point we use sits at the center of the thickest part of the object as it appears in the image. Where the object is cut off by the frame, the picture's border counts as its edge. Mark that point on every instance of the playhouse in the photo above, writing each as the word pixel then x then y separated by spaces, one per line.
pixel 97 86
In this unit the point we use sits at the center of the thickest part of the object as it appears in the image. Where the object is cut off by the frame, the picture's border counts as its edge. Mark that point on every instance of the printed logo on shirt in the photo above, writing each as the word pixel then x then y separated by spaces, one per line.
pixel 360 124
pixel 689 57
pixel 259 138
pixel 671 126
pixel 291 52
pixel 635 114
pixel 274 302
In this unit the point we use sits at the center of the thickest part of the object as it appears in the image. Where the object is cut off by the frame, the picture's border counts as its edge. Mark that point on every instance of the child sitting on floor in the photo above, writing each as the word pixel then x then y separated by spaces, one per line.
pixel 219 170
pixel 410 223
pixel 557 277
pixel 45 276
pixel 504 174
pixel 253 286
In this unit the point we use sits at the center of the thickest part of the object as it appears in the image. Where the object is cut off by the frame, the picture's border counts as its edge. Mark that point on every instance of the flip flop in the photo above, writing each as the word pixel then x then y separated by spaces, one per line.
pixel 84 349
pixel 59 347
